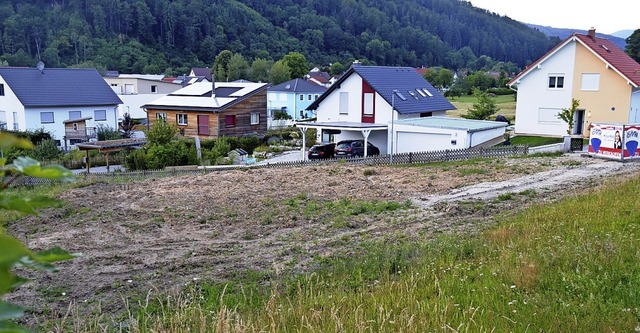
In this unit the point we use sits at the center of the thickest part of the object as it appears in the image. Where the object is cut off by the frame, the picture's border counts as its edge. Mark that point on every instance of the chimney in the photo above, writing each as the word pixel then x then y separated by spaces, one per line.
pixel 592 32
pixel 356 63
pixel 213 84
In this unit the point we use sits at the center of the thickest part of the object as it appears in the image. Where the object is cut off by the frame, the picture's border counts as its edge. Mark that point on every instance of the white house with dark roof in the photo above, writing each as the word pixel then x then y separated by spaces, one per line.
pixel 32 99
pixel 135 90
pixel 367 103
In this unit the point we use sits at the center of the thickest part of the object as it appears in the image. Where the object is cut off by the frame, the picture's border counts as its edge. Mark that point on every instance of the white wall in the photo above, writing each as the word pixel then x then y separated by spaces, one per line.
pixel 329 109
pixel 480 137
pixel 634 112
pixel 61 114
pixel 9 103
pixel 536 100
pixel 133 104
pixel 409 138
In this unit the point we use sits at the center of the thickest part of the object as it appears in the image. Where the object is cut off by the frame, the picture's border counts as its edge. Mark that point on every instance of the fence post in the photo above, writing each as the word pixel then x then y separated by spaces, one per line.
pixel 411 157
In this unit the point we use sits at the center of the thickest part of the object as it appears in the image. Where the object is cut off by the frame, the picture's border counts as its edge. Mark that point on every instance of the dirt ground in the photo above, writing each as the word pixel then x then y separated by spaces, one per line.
pixel 163 233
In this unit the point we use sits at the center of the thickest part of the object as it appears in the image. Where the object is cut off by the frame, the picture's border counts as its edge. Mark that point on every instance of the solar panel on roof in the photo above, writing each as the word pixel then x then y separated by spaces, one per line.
pixel 400 95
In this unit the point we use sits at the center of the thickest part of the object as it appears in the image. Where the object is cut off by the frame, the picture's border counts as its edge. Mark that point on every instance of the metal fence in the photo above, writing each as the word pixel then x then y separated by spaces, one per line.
pixel 398 159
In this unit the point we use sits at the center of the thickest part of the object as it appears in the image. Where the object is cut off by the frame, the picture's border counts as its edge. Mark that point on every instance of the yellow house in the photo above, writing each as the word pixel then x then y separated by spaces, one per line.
pixel 587 68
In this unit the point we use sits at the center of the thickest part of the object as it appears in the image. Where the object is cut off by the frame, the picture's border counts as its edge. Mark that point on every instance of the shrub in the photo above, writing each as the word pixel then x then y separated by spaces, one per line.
pixel 161 133
pixel 106 132
pixel 137 160
pixel 46 150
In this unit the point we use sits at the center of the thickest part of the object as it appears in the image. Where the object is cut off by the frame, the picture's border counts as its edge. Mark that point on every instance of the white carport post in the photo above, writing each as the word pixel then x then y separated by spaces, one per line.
pixel 303 129
pixel 365 134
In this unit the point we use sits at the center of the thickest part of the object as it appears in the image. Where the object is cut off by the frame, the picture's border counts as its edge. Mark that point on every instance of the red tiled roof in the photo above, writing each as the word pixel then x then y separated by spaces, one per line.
pixel 614 56
pixel 604 48
pixel 318 78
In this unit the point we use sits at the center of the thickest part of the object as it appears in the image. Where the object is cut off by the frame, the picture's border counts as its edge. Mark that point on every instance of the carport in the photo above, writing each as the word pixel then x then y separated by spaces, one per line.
pixel 109 146
pixel 363 128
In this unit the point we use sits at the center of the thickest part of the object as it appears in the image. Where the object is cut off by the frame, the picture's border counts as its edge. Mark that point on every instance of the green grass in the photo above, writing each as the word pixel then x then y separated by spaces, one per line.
pixel 571 266
pixel 506 104
pixel 534 141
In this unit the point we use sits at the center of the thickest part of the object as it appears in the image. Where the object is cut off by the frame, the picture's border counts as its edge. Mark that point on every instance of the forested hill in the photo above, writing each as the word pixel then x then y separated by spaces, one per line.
pixel 151 36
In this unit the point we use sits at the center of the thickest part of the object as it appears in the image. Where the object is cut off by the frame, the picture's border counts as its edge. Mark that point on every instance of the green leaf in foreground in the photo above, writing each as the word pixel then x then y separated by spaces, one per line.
pixel 10 141
pixel 26 205
pixel 10 311
pixel 32 168
pixel 9 327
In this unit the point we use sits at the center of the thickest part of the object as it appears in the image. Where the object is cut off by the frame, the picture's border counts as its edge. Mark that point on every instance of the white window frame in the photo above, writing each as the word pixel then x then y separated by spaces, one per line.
pixel 99 112
pixel 182 119
pixel 75 112
pixel 344 102
pixel 309 97
pixel 44 117
pixel 255 118
pixel 556 78
pixel 301 97
pixel 16 125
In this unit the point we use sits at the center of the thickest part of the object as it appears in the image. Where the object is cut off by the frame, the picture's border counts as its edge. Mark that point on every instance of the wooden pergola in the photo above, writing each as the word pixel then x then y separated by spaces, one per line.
pixel 109 146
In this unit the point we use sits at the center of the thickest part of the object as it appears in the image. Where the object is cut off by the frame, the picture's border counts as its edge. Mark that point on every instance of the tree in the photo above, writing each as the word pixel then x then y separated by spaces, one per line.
pixel 13 253
pixel 127 125
pixel 161 133
pixel 336 68
pixel 483 108
pixel 260 70
pixel 221 66
pixel 567 114
pixel 280 73
pixel 237 67
pixel 633 46
pixel 297 64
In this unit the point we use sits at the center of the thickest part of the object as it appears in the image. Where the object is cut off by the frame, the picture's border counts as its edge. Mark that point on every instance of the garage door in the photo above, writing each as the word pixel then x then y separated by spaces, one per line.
pixel 416 142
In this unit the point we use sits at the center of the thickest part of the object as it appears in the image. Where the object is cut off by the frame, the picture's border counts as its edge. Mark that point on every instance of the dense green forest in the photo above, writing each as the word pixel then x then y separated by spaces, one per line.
pixel 169 36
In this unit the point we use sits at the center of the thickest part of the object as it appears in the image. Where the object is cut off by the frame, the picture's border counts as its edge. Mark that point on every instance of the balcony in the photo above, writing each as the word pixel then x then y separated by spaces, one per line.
pixel 81 134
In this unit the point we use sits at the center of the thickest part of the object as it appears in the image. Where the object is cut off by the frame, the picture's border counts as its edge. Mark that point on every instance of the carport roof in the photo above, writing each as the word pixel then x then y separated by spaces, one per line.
pixel 343 125
pixel 469 125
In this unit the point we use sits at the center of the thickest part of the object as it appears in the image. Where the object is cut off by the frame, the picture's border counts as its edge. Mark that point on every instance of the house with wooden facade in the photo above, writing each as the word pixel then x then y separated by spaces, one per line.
pixel 587 68
pixel 68 103
pixel 211 110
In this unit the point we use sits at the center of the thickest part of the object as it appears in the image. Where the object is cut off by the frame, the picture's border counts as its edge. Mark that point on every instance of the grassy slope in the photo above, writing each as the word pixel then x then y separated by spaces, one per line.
pixel 570 266
pixel 506 104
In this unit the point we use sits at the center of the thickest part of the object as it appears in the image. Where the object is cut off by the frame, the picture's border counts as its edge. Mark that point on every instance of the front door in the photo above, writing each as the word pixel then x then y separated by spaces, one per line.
pixel 203 125
pixel 578 122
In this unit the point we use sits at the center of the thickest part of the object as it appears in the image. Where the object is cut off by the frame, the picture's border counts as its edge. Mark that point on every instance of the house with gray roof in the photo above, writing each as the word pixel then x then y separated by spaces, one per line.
pixel 211 110
pixel 294 97
pixel 367 101
pixel 32 99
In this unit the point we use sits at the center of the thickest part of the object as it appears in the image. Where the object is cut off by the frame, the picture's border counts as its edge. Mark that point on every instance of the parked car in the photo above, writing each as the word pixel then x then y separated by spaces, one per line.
pixel 349 148
pixel 326 150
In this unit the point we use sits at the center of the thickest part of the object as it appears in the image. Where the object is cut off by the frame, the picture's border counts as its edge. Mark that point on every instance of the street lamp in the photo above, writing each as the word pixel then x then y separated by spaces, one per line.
pixel 393 109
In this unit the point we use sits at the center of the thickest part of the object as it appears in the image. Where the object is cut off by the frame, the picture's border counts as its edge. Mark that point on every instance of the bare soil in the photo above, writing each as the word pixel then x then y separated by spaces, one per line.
pixel 161 234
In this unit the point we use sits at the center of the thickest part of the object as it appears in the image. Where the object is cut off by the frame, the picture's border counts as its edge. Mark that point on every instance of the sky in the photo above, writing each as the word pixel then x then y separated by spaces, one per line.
pixel 606 16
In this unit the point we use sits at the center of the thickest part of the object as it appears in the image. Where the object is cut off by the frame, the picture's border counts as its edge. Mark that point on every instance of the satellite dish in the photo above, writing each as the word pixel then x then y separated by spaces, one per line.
pixel 40 66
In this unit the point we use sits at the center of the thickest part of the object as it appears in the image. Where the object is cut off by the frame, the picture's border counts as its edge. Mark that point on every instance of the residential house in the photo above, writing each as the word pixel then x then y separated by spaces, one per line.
pixel 135 90
pixel 587 68
pixel 204 72
pixel 234 109
pixel 361 106
pixel 319 77
pixel 294 97
pixel 54 99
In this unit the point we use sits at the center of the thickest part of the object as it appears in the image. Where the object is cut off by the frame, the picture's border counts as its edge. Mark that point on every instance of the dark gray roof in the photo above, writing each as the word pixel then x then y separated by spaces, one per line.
pixel 199 71
pixel 59 87
pixel 384 80
pixel 298 86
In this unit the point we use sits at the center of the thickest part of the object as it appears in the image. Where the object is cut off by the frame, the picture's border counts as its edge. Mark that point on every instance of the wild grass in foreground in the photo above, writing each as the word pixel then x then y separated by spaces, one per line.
pixel 572 266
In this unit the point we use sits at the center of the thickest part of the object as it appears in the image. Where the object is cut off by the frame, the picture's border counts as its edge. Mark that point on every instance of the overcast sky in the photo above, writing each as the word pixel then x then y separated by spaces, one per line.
pixel 607 16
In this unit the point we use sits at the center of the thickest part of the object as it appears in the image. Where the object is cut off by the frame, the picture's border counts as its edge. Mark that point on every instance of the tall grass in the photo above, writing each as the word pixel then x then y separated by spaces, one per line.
pixel 571 266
